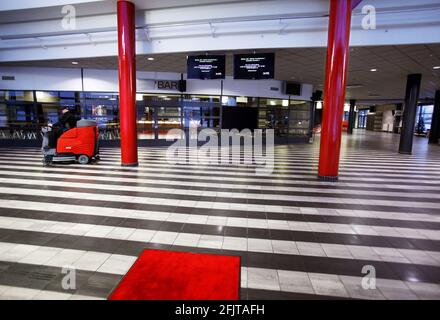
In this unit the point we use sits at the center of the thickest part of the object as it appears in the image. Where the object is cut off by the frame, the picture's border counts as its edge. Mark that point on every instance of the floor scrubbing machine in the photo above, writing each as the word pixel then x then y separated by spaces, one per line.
pixel 78 144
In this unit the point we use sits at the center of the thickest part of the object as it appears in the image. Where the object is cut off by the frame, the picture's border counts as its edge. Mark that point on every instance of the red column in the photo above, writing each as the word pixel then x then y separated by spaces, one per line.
pixel 127 82
pixel 334 88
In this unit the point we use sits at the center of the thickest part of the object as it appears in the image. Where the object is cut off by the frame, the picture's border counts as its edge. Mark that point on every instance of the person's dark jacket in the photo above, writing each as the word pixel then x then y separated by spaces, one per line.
pixel 67 121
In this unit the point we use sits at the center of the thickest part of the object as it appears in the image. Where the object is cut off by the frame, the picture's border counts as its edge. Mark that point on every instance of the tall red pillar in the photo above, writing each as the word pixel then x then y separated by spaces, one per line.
pixel 127 82
pixel 334 88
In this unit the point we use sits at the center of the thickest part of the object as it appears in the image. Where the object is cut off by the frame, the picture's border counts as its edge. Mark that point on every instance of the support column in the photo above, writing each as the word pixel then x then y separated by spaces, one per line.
pixel 127 82
pixel 434 133
pixel 351 118
pixel 334 88
pixel 409 113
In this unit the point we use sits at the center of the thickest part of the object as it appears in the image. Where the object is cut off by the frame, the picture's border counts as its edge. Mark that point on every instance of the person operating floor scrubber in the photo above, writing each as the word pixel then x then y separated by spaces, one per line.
pixel 70 140
pixel 52 132
pixel 67 121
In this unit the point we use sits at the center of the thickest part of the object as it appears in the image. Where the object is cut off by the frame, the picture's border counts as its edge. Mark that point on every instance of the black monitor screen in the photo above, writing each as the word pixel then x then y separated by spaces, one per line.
pixel 293 88
pixel 240 118
pixel 254 66
pixel 206 67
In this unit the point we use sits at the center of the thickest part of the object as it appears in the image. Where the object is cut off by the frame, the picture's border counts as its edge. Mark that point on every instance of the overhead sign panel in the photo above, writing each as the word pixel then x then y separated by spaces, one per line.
pixel 254 66
pixel 206 67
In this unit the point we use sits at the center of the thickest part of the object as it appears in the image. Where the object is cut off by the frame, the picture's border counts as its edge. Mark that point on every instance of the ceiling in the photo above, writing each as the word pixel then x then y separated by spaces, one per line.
pixel 393 64
pixel 25 10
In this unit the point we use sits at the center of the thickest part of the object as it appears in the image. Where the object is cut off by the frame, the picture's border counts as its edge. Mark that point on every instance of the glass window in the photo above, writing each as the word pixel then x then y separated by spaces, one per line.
pixel 104 109
pixel 362 118
pixel 47 96
pixel 18 115
pixel 161 100
pixel 146 121
pixel 100 95
pixel 17 95
pixel 299 118
pixel 424 118
pixel 201 111
pixel 157 114
pixel 47 113
pixel 275 116
pixel 69 98
pixel 3 116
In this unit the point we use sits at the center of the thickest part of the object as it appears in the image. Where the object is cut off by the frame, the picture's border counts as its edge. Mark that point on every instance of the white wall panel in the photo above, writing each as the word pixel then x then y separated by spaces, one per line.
pixel 41 79
pixel 107 81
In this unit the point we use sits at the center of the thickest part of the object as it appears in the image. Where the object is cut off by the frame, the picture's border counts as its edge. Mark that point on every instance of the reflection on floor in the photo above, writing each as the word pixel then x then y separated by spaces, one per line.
pixel 297 237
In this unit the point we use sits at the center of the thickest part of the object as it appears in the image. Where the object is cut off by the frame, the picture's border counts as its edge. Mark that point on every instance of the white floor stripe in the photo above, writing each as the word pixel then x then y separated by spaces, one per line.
pixel 294 162
pixel 65 172
pixel 294 248
pixel 336 285
pixel 283 155
pixel 205 193
pixel 427 173
pixel 20 293
pixel 209 204
pixel 107 164
pixel 332 228
pixel 251 278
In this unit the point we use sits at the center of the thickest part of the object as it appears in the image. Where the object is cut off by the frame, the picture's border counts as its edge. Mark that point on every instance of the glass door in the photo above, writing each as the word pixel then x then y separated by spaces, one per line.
pixel 362 118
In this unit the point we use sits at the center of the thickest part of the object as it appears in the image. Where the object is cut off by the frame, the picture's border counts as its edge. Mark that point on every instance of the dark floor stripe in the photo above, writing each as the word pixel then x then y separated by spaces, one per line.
pixel 281 170
pixel 209 172
pixel 385 270
pixel 304 236
pixel 303 204
pixel 279 202
pixel 98 284
pixel 95 284
pixel 303 217
pixel 262 183
pixel 151 207
pixel 224 189
pixel 258 294
pixel 291 153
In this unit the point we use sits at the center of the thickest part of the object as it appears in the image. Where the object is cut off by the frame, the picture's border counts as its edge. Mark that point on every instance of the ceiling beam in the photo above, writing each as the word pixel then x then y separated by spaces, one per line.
pixel 355 3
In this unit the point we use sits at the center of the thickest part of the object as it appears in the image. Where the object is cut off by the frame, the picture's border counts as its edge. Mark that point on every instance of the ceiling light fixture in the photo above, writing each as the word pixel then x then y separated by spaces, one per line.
pixel 436 67
pixel 150 58
pixel 354 86
pixel 74 62
pixel 373 70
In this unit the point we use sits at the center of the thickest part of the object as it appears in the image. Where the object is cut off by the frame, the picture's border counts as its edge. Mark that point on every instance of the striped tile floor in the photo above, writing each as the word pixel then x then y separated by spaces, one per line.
pixel 297 237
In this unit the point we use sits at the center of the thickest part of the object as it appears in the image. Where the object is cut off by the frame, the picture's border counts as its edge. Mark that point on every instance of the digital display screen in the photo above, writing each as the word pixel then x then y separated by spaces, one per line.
pixel 206 67
pixel 254 66
pixel 292 88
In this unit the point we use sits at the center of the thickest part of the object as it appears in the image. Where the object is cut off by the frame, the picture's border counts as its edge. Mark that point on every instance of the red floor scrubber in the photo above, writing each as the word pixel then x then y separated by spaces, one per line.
pixel 79 144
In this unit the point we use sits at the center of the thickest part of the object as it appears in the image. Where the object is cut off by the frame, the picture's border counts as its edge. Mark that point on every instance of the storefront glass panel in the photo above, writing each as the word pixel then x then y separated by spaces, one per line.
pixel 156 113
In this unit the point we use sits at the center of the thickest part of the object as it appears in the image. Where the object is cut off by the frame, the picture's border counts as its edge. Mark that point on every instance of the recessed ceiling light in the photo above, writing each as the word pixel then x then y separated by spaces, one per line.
pixel 150 58
pixel 74 62
pixel 436 67
pixel 353 86
pixel 373 70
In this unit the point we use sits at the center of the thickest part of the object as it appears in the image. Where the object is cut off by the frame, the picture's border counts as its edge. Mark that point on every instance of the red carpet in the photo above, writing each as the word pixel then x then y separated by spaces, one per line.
pixel 170 275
